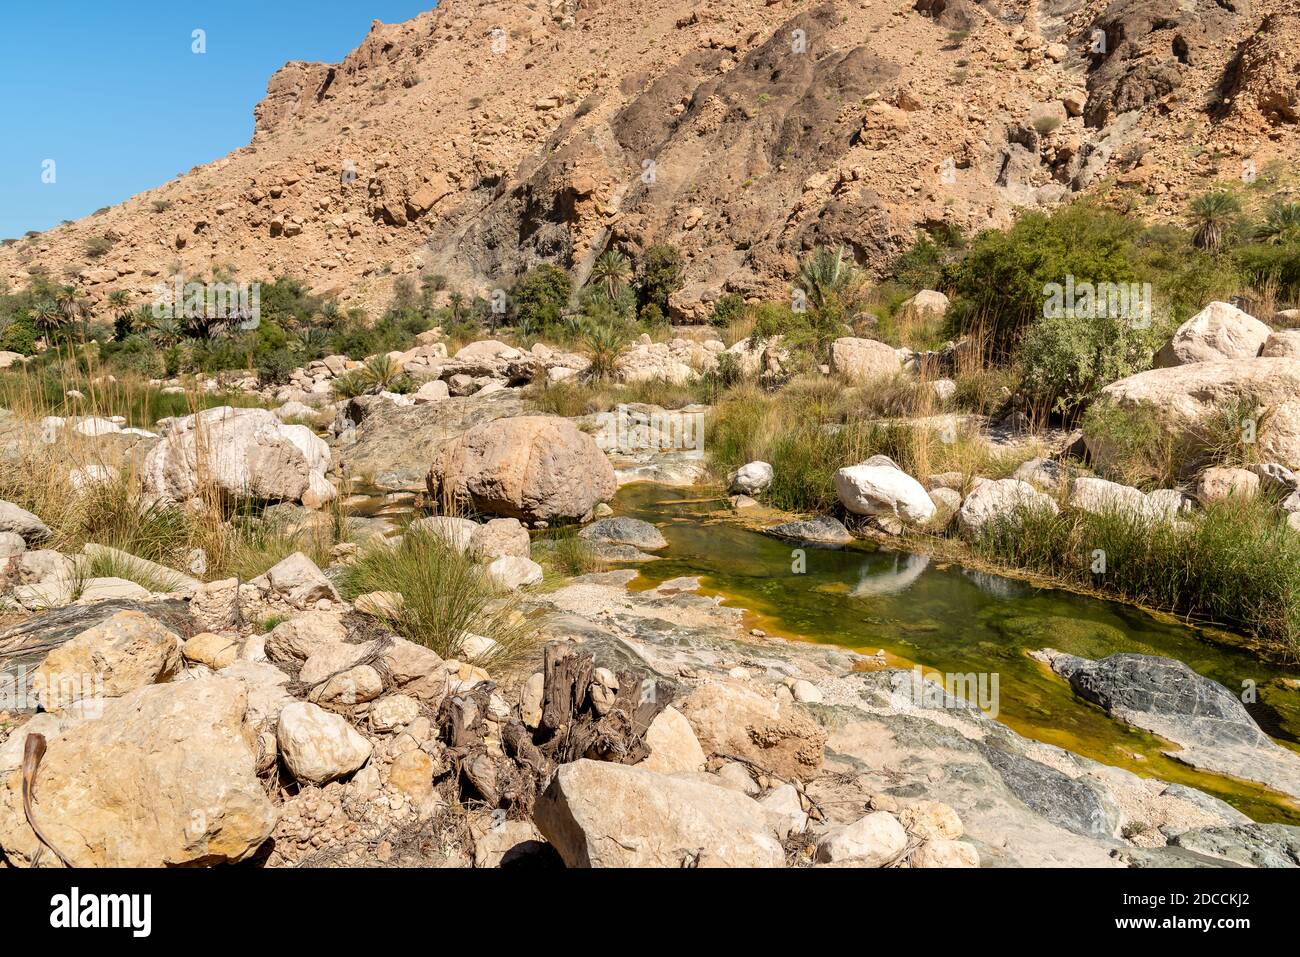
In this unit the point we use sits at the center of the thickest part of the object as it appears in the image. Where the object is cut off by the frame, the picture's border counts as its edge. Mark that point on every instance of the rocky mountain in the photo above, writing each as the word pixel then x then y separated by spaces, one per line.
pixel 484 136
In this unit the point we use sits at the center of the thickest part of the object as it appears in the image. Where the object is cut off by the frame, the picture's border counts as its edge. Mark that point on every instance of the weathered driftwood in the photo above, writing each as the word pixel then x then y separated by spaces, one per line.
pixel 508 766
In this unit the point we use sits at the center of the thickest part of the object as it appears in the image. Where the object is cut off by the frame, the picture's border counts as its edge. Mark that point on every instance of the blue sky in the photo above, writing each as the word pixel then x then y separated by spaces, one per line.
pixel 112 92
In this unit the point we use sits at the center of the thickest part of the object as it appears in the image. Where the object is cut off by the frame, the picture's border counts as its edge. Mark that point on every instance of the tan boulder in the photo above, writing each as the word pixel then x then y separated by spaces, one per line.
pixel 600 814
pixel 1181 401
pixel 119 655
pixel 1217 484
pixel 765 728
pixel 165 778
pixel 864 360
pixel 533 468
pixel 674 748
pixel 1219 331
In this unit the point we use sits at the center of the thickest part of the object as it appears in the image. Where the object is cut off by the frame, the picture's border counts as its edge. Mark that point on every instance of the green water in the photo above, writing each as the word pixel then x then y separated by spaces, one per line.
pixel 957 621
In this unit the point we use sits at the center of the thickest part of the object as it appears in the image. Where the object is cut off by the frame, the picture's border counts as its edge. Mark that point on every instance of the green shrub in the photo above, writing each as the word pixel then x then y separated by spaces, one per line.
pixel 1000 284
pixel 445 596
pixel 1237 565
pixel 661 274
pixel 1067 359
pixel 540 297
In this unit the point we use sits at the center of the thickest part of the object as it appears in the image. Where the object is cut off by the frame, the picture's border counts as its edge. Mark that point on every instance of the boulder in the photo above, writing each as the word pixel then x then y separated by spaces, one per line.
pixel 1216 484
pixel 783 802
pixel 600 814
pixel 673 745
pixel 926 304
pixel 864 360
pixel 532 467
pixel 242 452
pixel 22 522
pixel 299 638
pixel 1284 344
pixel 1219 331
pixel 498 538
pixel 624 531
pixel 1099 497
pixel 455 532
pixel 1166 697
pixel 1182 401
pixel 994 500
pixel 116 656
pixel 880 490
pixel 392 712
pixel 165 778
pixel 823 530
pixel 318 746
pixel 767 729
pixel 298 581
pixel 511 572
pixel 945 853
pixel 871 841
pixel 752 479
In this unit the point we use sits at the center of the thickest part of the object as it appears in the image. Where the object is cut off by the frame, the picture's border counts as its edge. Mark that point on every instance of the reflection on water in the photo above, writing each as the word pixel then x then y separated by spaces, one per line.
pixel 906 569
pixel 956 620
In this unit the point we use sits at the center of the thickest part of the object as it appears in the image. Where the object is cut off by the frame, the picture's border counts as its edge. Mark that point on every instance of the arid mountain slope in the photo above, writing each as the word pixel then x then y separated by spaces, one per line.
pixel 482 137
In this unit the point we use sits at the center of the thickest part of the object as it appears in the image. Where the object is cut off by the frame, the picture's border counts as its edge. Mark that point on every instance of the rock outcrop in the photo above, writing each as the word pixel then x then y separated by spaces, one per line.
pixel 533 468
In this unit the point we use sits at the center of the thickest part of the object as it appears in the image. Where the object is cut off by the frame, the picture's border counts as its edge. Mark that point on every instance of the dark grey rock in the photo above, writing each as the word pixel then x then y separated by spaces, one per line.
pixel 1166 697
pixel 622 530
pixel 823 530
pixel 1251 845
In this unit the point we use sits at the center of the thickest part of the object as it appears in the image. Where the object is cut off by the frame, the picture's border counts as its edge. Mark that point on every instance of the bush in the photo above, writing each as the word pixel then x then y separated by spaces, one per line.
pixel 1236 565
pixel 727 310
pixel 662 274
pixel 999 285
pixel 540 297
pixel 1067 359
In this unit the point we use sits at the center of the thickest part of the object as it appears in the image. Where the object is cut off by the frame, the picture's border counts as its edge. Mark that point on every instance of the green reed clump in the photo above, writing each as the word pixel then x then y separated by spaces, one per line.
pixel 1235 565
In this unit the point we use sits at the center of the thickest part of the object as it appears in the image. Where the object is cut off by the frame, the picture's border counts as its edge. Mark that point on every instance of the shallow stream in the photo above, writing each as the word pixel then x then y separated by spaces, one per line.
pixel 952 620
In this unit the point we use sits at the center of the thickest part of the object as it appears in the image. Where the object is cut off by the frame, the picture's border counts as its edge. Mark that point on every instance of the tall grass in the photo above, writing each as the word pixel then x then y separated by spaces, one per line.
pixel 1236 565
pixel 445 596
pixel 814 427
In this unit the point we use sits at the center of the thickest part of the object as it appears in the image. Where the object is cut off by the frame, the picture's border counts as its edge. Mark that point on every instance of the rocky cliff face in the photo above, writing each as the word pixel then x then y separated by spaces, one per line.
pixel 482 137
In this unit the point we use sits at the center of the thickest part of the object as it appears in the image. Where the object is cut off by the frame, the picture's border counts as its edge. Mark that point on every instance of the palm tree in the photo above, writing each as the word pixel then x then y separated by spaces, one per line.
pixel 611 272
pixel 166 332
pixel 829 278
pixel 48 318
pixel 1212 215
pixel 120 300
pixel 1282 226
pixel 457 302
pixel 72 304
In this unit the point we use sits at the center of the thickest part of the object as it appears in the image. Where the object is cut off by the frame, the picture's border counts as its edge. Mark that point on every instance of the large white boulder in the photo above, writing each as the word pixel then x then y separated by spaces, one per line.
pixel 753 478
pixel 882 490
pixel 1182 402
pixel 991 501
pixel 242 452
pixel 1219 331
